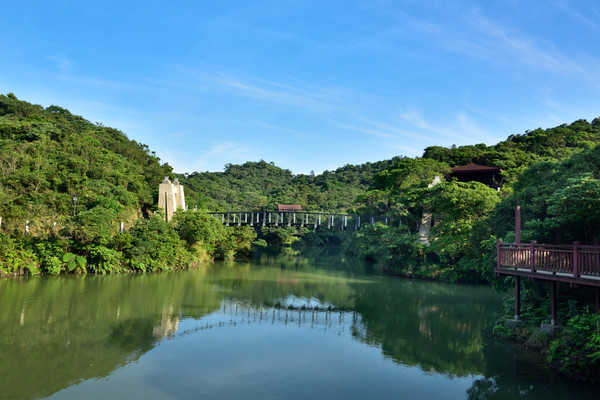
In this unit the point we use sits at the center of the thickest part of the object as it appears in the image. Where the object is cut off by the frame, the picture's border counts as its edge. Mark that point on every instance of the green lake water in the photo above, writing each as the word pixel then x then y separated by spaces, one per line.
pixel 310 325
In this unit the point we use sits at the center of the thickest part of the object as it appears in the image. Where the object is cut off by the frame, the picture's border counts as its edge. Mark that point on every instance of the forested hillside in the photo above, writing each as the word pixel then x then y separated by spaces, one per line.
pixel 554 175
pixel 262 185
pixel 46 156
pixel 551 173
pixel 521 150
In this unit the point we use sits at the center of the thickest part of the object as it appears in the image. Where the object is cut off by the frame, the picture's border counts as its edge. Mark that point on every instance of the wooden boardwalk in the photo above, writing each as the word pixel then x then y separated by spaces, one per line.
pixel 575 264
pixel 299 219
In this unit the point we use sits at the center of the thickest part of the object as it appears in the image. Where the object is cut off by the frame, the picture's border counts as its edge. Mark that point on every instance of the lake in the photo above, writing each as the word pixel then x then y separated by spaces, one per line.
pixel 296 325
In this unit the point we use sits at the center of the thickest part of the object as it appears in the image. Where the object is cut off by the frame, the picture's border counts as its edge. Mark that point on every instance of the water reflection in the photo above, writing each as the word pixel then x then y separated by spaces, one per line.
pixel 200 326
pixel 236 313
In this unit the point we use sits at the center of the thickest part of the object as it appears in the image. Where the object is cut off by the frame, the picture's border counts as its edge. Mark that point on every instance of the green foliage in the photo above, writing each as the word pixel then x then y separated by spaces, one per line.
pixel 50 252
pixel 457 207
pixel 104 260
pixel 74 261
pixel 393 248
pixel 576 351
pixel 261 186
pixel 155 245
pixel 280 237
pixel 47 154
pixel 400 191
pixel 555 144
pixel 322 237
pixel 501 330
pixel 563 196
pixel 198 226
pixel 15 256
pixel 409 173
pixel 208 237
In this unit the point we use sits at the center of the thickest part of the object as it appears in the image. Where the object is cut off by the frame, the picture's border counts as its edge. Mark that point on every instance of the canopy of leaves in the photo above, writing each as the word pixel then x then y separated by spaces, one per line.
pixel 559 201
pixel 48 154
pixel 555 143
pixel 261 186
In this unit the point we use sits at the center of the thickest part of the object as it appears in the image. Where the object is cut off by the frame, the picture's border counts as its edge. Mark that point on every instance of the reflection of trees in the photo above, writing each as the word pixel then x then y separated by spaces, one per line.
pixel 433 325
pixel 436 326
pixel 517 373
pixel 56 331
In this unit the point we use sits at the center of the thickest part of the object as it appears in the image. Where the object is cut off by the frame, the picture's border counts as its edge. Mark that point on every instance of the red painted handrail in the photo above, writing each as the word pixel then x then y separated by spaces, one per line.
pixel 575 259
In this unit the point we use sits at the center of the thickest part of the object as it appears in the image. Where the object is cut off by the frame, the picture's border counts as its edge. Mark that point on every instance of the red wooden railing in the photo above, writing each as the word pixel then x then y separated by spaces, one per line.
pixel 574 260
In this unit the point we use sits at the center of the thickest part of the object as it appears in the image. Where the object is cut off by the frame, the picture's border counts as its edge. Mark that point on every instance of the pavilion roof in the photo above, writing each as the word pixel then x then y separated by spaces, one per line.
pixel 474 168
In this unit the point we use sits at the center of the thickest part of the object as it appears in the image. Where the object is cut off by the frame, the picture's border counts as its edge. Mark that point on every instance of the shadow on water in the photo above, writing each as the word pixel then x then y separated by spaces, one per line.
pixel 58 331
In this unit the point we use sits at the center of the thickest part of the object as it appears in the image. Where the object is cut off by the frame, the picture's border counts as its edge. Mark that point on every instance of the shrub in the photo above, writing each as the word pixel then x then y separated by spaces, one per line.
pixel 576 352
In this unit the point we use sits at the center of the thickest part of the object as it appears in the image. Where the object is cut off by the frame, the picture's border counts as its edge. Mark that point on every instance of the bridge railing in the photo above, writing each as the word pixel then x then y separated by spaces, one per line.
pixel 574 260
pixel 302 218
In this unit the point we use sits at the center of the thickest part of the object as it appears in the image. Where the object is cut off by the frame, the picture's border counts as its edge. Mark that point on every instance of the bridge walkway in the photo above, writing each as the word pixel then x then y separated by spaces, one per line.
pixel 299 219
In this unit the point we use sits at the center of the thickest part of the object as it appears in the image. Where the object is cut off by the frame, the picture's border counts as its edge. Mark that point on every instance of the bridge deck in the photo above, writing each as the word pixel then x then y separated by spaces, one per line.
pixel 575 264
pixel 299 219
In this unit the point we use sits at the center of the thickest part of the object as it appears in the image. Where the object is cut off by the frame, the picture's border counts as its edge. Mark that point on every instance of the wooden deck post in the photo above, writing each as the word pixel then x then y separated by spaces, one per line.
pixel 553 303
pixel 533 260
pixel 518 224
pixel 576 257
pixel 597 258
pixel 517 297
pixel 498 253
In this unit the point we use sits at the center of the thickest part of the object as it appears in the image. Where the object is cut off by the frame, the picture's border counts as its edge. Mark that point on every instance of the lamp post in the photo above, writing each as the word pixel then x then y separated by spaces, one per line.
pixel 74 203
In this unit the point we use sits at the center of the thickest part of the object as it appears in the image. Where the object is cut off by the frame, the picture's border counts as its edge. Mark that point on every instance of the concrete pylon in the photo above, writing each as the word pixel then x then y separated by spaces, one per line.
pixel 170 197
pixel 425 225
pixel 179 196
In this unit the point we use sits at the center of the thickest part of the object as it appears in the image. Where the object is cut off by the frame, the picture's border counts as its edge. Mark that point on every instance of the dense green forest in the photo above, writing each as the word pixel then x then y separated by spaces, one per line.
pixel 261 186
pixel 48 154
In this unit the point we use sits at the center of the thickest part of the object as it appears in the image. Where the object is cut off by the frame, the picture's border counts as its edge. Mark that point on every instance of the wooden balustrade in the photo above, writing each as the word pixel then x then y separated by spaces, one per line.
pixel 576 263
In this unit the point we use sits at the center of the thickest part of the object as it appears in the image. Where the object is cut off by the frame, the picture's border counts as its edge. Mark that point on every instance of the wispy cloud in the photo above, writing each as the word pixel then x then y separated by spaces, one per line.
pixel 62 63
pixel 283 91
pixel 295 132
pixel 577 15
pixel 214 158
pixel 469 128
pixel 477 36
pixel 513 44
pixel 230 149
pixel 417 120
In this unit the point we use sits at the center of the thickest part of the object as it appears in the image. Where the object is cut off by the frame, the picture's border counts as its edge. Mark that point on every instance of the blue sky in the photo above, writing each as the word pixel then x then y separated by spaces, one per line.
pixel 309 85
